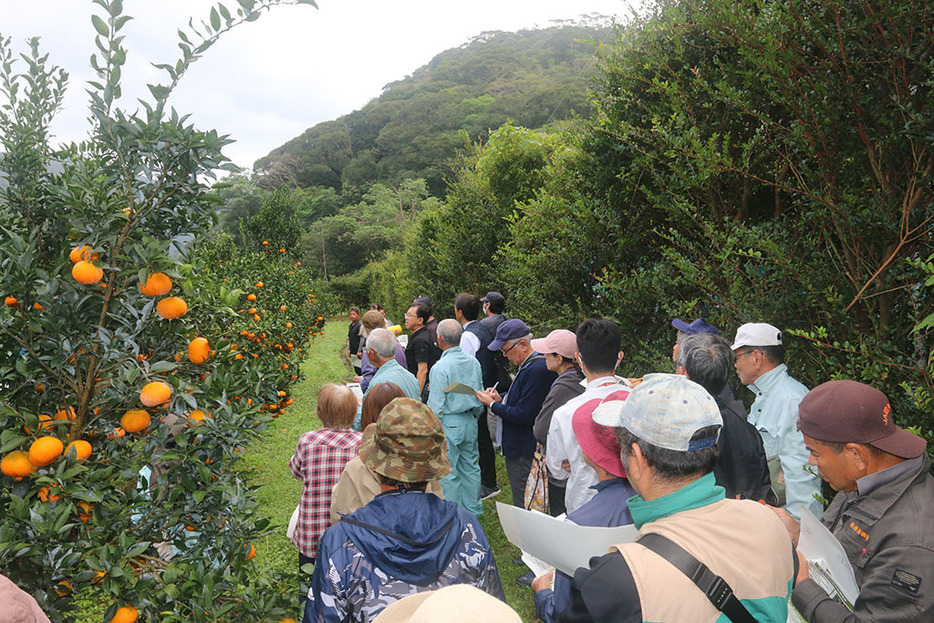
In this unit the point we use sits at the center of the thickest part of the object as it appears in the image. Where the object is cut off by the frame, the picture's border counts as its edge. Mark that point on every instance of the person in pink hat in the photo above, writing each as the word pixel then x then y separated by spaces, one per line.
pixel 607 508
pixel 882 512
pixel 18 605
pixel 560 350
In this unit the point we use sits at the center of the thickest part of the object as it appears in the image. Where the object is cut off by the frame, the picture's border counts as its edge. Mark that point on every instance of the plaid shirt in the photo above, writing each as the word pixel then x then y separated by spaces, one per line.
pixel 318 462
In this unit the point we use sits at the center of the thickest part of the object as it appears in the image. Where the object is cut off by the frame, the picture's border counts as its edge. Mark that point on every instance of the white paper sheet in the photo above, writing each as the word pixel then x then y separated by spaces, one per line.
pixel 563 544
pixel 355 388
pixel 537 565
pixel 825 555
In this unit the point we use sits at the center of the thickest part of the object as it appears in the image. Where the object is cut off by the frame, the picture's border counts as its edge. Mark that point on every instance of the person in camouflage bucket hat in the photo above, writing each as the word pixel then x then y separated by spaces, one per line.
pixel 406 444
pixel 406 540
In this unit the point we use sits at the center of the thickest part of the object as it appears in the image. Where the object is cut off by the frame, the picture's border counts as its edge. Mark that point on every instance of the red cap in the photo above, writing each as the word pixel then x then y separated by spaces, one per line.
pixel 851 412
pixel 597 441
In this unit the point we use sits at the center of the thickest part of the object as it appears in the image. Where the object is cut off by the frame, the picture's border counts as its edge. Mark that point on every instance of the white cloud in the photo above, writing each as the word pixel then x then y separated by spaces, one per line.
pixel 268 81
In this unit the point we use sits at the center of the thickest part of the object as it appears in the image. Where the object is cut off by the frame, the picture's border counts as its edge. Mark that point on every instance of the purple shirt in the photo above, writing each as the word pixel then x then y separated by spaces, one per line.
pixel 367 369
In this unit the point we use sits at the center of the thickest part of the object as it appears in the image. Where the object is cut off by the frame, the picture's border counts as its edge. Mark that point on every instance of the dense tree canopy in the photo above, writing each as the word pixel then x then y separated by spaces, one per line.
pixel 744 161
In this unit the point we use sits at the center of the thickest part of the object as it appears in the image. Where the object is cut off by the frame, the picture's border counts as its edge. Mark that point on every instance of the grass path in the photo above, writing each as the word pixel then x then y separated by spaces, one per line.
pixel 278 491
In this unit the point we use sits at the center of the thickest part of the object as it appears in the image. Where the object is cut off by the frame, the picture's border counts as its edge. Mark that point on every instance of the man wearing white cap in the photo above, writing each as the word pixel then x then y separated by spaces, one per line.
pixel 759 364
pixel 740 558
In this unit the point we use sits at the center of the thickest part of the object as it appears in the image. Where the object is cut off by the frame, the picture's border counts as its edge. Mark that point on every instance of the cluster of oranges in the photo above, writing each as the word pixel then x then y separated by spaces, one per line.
pixel 44 451
pixel 160 284
pixel 47 449
pixel 84 270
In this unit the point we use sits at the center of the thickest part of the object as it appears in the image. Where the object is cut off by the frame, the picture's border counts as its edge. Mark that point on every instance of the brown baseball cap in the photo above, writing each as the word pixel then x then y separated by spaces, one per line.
pixel 852 412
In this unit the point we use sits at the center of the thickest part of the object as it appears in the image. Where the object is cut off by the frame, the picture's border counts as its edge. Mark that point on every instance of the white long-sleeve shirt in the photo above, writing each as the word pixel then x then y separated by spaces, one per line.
pixel 563 446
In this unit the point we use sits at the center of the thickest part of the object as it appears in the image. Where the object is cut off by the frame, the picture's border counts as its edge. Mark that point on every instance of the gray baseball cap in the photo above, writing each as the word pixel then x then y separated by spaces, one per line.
pixel 665 410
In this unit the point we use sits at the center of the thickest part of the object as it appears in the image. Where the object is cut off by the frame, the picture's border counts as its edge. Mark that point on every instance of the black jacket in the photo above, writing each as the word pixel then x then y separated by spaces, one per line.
pixel 742 468
pixel 484 355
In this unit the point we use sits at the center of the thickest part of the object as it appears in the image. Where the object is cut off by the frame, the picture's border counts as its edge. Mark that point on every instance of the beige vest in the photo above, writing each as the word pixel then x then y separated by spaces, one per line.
pixel 740 540
pixel 358 486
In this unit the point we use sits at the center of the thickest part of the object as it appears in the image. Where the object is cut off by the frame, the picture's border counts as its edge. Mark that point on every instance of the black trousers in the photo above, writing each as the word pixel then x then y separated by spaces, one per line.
pixel 556 500
pixel 487 454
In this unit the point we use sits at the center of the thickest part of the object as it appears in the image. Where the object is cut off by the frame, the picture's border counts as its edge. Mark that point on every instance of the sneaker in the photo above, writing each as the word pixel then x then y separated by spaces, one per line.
pixel 487 492
pixel 526 579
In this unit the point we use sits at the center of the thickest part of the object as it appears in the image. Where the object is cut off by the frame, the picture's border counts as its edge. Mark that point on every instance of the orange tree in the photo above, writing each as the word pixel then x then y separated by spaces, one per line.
pixel 105 293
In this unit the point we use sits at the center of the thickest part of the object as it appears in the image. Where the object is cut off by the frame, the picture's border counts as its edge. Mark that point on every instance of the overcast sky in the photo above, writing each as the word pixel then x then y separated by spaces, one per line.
pixel 266 82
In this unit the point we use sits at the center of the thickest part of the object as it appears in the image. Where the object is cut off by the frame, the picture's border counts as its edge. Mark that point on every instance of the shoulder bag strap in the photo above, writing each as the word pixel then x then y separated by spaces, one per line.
pixel 712 585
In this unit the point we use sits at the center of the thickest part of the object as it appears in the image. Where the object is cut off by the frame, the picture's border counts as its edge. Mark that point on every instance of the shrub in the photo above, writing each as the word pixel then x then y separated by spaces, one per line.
pixel 114 521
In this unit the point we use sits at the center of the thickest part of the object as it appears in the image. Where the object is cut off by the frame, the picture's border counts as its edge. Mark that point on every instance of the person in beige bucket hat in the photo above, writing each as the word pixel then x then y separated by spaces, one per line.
pixel 459 603
pixel 405 541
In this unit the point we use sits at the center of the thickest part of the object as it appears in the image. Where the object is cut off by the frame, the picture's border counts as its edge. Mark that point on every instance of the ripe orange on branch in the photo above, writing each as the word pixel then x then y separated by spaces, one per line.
pixel 17 465
pixel 171 307
pixel 135 420
pixel 82 254
pixel 197 417
pixel 45 422
pixel 156 284
pixel 82 449
pixel 126 614
pixel 87 273
pixel 49 495
pixel 65 413
pixel 85 510
pixel 45 450
pixel 11 301
pixel 155 394
pixel 199 350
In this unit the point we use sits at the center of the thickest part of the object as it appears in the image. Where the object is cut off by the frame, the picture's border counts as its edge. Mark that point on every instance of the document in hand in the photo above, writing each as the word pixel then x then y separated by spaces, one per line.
pixel 561 543
pixel 459 388
pixel 827 562
pixel 355 388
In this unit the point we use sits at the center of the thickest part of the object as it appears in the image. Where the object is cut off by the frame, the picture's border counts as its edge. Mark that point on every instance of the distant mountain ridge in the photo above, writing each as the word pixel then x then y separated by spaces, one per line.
pixel 534 78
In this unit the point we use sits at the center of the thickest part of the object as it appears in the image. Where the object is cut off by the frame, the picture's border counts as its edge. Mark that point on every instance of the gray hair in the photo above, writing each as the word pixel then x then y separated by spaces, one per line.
pixel 707 359
pixel 451 331
pixel 383 341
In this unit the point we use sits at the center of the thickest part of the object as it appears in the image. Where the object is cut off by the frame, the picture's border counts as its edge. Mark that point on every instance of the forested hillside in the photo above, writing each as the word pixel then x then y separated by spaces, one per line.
pixel 534 78
pixel 351 188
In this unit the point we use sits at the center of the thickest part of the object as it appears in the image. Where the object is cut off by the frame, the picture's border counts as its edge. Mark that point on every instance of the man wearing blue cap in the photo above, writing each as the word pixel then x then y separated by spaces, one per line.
pixel 521 404
pixel 689 328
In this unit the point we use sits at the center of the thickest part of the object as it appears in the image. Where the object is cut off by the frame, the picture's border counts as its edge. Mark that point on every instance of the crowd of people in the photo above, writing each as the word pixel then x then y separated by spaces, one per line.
pixel 393 489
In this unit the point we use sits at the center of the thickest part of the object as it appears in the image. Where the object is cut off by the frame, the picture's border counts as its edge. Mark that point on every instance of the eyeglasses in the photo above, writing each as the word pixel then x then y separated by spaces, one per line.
pixel 745 352
pixel 510 348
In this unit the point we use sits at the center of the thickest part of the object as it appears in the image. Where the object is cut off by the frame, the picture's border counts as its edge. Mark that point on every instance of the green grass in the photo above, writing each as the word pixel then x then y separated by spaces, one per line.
pixel 268 461
pixel 279 492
